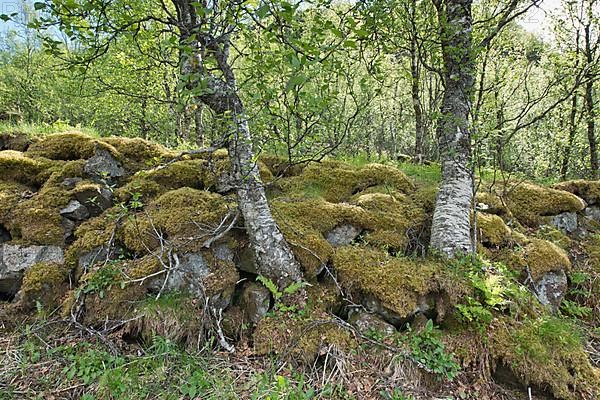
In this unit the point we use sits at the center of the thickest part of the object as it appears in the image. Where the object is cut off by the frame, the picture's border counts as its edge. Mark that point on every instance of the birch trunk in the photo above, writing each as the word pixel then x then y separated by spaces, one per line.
pixel 451 226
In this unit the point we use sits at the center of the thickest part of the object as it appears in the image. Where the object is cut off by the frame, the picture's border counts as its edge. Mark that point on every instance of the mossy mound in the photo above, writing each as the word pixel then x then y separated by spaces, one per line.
pixel 183 215
pixel 175 317
pixel 587 190
pixel 14 141
pixel 546 352
pixel 398 283
pixel 17 167
pixel 44 284
pixel 300 339
pixel 336 181
pixel 11 194
pixel 491 203
pixel 138 153
pixel 528 202
pixel 492 230
pixel 69 146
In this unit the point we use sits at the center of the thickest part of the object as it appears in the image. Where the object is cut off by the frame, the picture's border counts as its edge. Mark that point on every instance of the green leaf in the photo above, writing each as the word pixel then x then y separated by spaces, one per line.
pixel 4 17
pixel 295 81
pixel 38 5
pixel 263 11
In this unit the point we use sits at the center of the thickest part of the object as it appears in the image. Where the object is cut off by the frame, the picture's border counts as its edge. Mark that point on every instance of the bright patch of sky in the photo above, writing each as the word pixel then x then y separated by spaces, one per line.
pixel 538 20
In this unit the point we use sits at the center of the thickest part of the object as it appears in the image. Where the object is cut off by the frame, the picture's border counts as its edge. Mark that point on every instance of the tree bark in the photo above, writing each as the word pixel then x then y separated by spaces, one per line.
pixel 589 97
pixel 566 159
pixel 451 227
pixel 416 91
pixel 274 257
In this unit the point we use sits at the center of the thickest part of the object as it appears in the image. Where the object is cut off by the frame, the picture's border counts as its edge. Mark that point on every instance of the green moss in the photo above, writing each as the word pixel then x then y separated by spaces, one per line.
pixel 138 153
pixel 491 203
pixel 10 195
pixel 300 339
pixel 37 220
pixel 14 141
pixel 492 230
pixel 280 166
pixel 396 282
pixel 546 352
pixel 45 283
pixel 337 181
pixel 551 234
pixel 68 146
pixel 538 256
pixel 173 316
pixel 17 167
pixel 179 215
pixel 528 202
pixel 587 190
pixel 305 224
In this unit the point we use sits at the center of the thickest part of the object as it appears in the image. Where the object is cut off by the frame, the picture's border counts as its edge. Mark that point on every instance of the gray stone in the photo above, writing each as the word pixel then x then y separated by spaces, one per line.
pixel 103 164
pixel 223 252
pixel 71 182
pixel 373 305
pixel 97 254
pixel 96 200
pixel 343 235
pixel 551 288
pixel 68 229
pixel 16 259
pixel 187 277
pixel 75 211
pixel 365 322
pixel 566 222
pixel 255 301
pixel 592 212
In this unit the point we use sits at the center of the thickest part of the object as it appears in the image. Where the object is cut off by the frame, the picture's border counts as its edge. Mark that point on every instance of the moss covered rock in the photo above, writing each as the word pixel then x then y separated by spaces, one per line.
pixel 587 190
pixel 528 202
pixel 492 230
pixel 44 283
pixel 69 146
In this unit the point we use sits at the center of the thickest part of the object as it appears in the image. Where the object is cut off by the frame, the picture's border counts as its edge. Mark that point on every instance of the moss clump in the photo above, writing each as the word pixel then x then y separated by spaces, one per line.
pixel 17 167
pixel 69 146
pixel 173 316
pixel 37 220
pixel 184 215
pixel 337 181
pixel 45 283
pixel 491 203
pixel 300 339
pixel 546 352
pixel 528 202
pixel 492 230
pixel 587 190
pixel 14 141
pixel 551 234
pixel 138 153
pixel 542 256
pixel 280 166
pixel 396 282
pixel 10 195
pixel 154 182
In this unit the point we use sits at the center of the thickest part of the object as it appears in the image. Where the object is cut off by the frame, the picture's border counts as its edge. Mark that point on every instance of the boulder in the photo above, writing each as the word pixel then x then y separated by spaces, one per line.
pixel 551 288
pixel 343 235
pixel 16 259
pixel 103 164
pixel 255 301
pixel 366 322
pixel 566 222
pixel 70 183
pixel 75 211
pixel 592 212
pixel 246 260
pixel 95 198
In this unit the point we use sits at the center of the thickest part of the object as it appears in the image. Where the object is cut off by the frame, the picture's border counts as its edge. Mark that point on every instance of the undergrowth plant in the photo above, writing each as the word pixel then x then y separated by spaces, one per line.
pixel 278 294
pixel 427 348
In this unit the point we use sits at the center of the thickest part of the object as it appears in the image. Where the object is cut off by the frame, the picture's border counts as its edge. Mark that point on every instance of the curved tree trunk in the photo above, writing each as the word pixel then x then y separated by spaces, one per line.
pixel 451 227
pixel 274 256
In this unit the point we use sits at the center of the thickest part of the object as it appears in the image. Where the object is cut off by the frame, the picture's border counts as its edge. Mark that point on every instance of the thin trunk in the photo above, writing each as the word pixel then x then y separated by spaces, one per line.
pixel 451 228
pixel 589 96
pixel 274 256
pixel 416 91
pixel 566 159
pixel 199 126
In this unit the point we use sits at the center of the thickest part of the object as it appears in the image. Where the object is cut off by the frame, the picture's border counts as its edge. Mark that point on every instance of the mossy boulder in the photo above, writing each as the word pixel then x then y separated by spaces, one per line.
pixel 587 190
pixel 492 230
pixel 185 216
pixel 336 181
pixel 300 339
pixel 547 353
pixel 69 146
pixel 400 285
pixel 14 141
pixel 17 167
pixel 529 202
pixel 44 283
